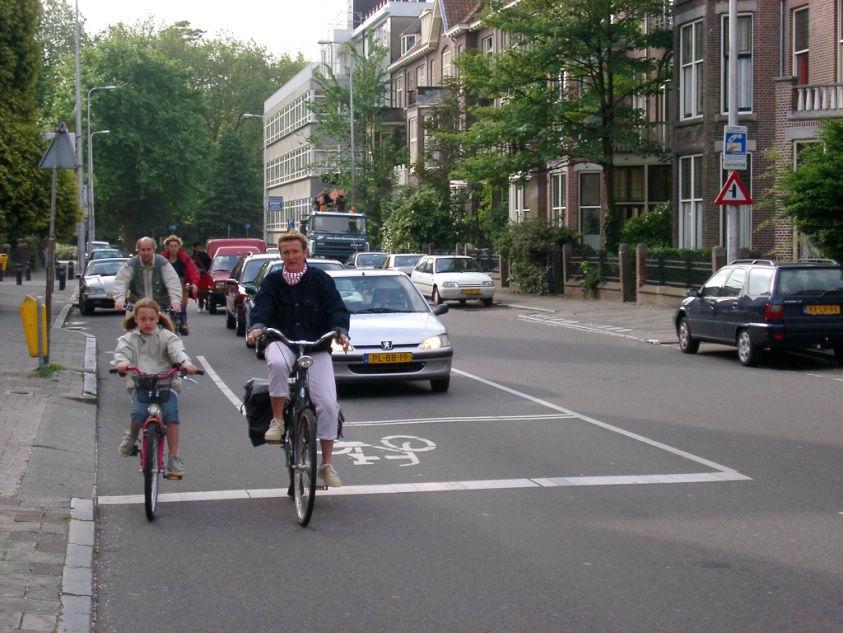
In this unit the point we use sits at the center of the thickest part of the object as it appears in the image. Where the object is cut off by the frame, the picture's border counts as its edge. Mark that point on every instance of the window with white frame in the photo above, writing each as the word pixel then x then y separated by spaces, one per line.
pixel 487 44
pixel 421 75
pixel 558 197
pixel 413 138
pixel 407 42
pixel 691 77
pixel 800 46
pixel 744 54
pixel 517 209
pixel 398 92
pixel 558 82
pixel 590 208
pixel 690 201
pixel 798 148
pixel 745 210
pixel 447 66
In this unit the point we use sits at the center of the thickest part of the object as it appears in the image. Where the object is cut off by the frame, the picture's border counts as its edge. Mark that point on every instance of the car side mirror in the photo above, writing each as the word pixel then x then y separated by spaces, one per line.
pixel 230 282
pixel 251 290
pixel 692 292
pixel 442 308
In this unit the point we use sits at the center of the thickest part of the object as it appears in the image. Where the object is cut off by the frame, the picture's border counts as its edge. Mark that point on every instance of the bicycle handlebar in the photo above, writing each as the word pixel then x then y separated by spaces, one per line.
pixel 271 332
pixel 175 369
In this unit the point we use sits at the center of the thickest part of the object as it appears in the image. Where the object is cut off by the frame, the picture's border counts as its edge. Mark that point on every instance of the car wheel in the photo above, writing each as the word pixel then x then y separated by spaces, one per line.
pixel 239 325
pixel 687 343
pixel 435 299
pixel 229 320
pixel 487 301
pixel 212 306
pixel 462 302
pixel 440 385
pixel 748 352
pixel 86 308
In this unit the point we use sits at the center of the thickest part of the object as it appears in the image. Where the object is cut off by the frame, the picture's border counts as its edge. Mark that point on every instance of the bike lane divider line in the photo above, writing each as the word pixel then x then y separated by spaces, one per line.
pixel 475 418
pixel 228 393
pixel 435 486
pixel 604 425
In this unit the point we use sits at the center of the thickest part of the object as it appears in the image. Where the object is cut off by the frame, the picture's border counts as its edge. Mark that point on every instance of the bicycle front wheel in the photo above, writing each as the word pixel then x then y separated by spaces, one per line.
pixel 304 467
pixel 150 472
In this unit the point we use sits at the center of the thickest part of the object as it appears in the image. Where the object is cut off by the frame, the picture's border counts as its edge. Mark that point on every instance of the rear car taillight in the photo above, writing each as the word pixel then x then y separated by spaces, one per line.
pixel 773 311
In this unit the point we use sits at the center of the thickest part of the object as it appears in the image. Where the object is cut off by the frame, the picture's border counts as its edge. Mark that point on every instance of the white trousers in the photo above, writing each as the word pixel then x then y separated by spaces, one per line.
pixel 323 390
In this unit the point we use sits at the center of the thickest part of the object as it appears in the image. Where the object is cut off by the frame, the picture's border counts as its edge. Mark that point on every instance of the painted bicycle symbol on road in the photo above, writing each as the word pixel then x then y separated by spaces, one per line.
pixel 400 447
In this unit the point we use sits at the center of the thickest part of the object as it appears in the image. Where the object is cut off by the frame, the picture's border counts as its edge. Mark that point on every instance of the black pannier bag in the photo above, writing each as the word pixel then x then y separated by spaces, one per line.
pixel 257 408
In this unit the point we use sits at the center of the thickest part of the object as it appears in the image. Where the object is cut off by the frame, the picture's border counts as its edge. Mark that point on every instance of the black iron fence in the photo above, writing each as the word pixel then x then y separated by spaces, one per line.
pixel 679 273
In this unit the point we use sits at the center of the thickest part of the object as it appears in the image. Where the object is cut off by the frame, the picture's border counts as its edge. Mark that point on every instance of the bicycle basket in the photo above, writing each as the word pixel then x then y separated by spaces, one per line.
pixel 150 388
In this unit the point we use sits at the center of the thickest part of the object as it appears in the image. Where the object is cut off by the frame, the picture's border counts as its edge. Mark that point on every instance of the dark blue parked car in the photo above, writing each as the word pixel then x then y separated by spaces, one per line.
pixel 755 304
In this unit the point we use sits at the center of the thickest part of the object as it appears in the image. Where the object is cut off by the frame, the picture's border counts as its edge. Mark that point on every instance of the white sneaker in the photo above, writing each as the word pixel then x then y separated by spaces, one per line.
pixel 275 431
pixel 329 476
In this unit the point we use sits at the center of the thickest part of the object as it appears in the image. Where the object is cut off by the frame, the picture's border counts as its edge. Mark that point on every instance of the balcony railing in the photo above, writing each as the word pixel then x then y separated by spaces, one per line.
pixel 654 136
pixel 818 98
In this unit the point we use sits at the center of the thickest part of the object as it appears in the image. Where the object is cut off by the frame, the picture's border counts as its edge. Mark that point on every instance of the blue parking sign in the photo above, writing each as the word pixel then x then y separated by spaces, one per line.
pixel 734 147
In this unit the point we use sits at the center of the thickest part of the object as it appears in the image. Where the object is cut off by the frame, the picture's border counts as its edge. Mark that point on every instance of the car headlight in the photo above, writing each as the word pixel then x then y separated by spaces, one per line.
pixel 220 285
pixel 435 342
pixel 450 284
pixel 488 284
pixel 336 347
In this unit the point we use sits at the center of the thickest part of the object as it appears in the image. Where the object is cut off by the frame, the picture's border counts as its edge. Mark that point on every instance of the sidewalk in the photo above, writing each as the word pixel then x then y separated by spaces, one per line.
pixel 649 324
pixel 47 470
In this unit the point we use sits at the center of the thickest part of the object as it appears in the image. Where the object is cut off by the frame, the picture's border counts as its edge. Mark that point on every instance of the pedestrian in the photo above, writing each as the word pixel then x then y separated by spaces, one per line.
pixel 303 303
pixel 150 344
pixel 147 275
pixel 200 258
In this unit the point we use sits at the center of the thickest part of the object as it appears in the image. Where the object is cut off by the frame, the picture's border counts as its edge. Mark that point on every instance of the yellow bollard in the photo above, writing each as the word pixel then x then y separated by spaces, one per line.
pixel 28 312
pixel 4 260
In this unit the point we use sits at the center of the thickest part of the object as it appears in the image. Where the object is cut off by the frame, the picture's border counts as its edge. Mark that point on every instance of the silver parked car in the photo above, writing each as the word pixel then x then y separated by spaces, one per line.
pixel 394 332
pixel 96 287
pixel 405 262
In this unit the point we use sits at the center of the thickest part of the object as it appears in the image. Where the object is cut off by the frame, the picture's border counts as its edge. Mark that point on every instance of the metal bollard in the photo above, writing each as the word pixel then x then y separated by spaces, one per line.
pixel 70 270
pixel 28 271
pixel 1 273
pixel 62 277
pixel 18 274
pixel 57 266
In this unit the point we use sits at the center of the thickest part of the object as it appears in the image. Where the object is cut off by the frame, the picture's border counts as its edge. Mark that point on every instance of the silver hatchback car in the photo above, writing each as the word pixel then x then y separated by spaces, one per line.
pixel 394 332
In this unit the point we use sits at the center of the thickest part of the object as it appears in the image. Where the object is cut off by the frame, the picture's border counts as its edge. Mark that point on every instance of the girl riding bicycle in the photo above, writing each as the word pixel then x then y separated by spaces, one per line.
pixel 151 345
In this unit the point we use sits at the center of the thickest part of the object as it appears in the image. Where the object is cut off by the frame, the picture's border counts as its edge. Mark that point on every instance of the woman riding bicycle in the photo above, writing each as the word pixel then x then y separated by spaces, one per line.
pixel 187 272
pixel 150 345
pixel 303 303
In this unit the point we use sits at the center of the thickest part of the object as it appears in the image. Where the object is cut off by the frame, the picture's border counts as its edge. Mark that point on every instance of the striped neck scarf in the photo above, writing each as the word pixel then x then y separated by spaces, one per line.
pixel 293 278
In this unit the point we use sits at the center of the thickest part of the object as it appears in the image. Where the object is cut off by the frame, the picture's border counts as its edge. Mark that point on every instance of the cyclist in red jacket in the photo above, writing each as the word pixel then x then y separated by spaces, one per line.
pixel 187 272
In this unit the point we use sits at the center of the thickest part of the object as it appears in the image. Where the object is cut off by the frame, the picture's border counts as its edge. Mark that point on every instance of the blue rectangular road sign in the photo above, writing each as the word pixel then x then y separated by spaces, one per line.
pixel 734 147
pixel 275 203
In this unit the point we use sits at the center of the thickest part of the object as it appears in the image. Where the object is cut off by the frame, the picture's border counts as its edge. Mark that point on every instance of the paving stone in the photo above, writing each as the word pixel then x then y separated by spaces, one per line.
pixel 9 588
pixel 46 569
pixel 39 622
pixel 77 581
pixel 23 605
pixel 81 532
pixel 10 619
pixel 42 593
pixel 76 604
pixel 75 623
pixel 79 555
pixel 82 509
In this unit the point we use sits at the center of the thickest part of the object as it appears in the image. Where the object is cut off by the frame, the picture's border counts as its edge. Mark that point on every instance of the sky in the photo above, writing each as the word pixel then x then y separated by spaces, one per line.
pixel 282 26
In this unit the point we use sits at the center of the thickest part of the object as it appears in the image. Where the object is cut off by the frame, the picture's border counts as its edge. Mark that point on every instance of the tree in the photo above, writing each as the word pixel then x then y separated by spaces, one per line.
pixel 57 36
pixel 376 150
pixel 151 170
pixel 24 187
pixel 235 198
pixel 564 90
pixel 417 215
pixel 812 195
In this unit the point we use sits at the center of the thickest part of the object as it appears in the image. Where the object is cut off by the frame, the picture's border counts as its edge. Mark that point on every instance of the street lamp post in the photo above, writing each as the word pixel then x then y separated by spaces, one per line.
pixel 263 169
pixel 91 222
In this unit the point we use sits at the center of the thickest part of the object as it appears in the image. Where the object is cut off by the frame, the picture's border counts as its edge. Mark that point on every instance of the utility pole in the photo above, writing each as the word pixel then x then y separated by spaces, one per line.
pixel 351 117
pixel 733 211
pixel 80 227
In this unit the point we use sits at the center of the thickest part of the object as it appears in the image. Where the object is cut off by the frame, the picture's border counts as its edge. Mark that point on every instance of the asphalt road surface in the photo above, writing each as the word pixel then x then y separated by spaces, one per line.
pixel 568 481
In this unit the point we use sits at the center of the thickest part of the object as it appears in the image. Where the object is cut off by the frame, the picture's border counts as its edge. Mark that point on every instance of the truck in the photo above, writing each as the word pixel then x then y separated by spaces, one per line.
pixel 335 234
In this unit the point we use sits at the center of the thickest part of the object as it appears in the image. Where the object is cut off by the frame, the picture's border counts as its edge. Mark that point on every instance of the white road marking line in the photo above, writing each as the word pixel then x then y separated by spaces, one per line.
pixel 228 393
pixel 602 425
pixel 826 377
pixel 477 418
pixel 433 486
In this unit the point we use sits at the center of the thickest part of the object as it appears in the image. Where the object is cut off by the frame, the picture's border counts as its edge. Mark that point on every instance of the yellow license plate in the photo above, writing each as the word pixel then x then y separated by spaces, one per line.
pixel 389 357
pixel 822 309
pixel 471 291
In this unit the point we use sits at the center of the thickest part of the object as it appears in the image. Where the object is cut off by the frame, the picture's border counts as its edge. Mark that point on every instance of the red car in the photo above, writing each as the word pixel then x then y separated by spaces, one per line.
pixel 242 277
pixel 222 264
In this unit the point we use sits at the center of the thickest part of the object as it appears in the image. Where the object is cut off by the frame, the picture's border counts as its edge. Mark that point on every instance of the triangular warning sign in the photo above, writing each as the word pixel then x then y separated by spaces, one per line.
pixel 733 192
pixel 61 154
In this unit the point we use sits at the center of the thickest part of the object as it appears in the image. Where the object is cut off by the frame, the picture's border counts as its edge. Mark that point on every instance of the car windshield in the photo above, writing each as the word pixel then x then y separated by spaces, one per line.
pixel 326 264
pixel 224 262
pixel 810 281
pixel 456 265
pixel 103 268
pixel 406 260
pixel 369 295
pixel 338 224
pixel 371 259
pixel 105 254
pixel 251 269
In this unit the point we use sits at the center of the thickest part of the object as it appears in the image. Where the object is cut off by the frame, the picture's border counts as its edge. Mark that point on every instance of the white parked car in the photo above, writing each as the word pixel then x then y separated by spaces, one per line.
pixel 395 334
pixel 452 278
pixel 405 262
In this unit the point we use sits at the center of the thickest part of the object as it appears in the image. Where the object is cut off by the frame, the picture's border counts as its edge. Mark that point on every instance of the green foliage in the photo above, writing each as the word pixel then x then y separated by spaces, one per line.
pixel 693 254
pixel 48 370
pixel 653 228
pixel 590 272
pixel 66 251
pixel 414 216
pixel 24 187
pixel 812 195
pixel 235 192
pixel 527 246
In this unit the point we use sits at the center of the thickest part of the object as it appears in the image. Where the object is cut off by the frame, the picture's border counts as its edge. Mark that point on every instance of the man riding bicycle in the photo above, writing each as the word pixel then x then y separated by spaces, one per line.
pixel 187 272
pixel 147 275
pixel 303 303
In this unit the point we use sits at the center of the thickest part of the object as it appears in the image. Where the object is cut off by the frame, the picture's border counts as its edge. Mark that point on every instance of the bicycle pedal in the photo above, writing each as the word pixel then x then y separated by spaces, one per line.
pixel 274 441
pixel 173 477
pixel 135 450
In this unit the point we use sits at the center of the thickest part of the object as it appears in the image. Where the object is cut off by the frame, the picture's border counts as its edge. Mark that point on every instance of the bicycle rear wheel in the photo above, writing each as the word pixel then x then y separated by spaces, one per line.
pixel 150 471
pixel 304 468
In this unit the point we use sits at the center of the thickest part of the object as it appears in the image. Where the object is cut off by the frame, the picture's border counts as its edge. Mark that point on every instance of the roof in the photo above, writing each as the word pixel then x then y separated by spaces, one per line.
pixel 455 11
